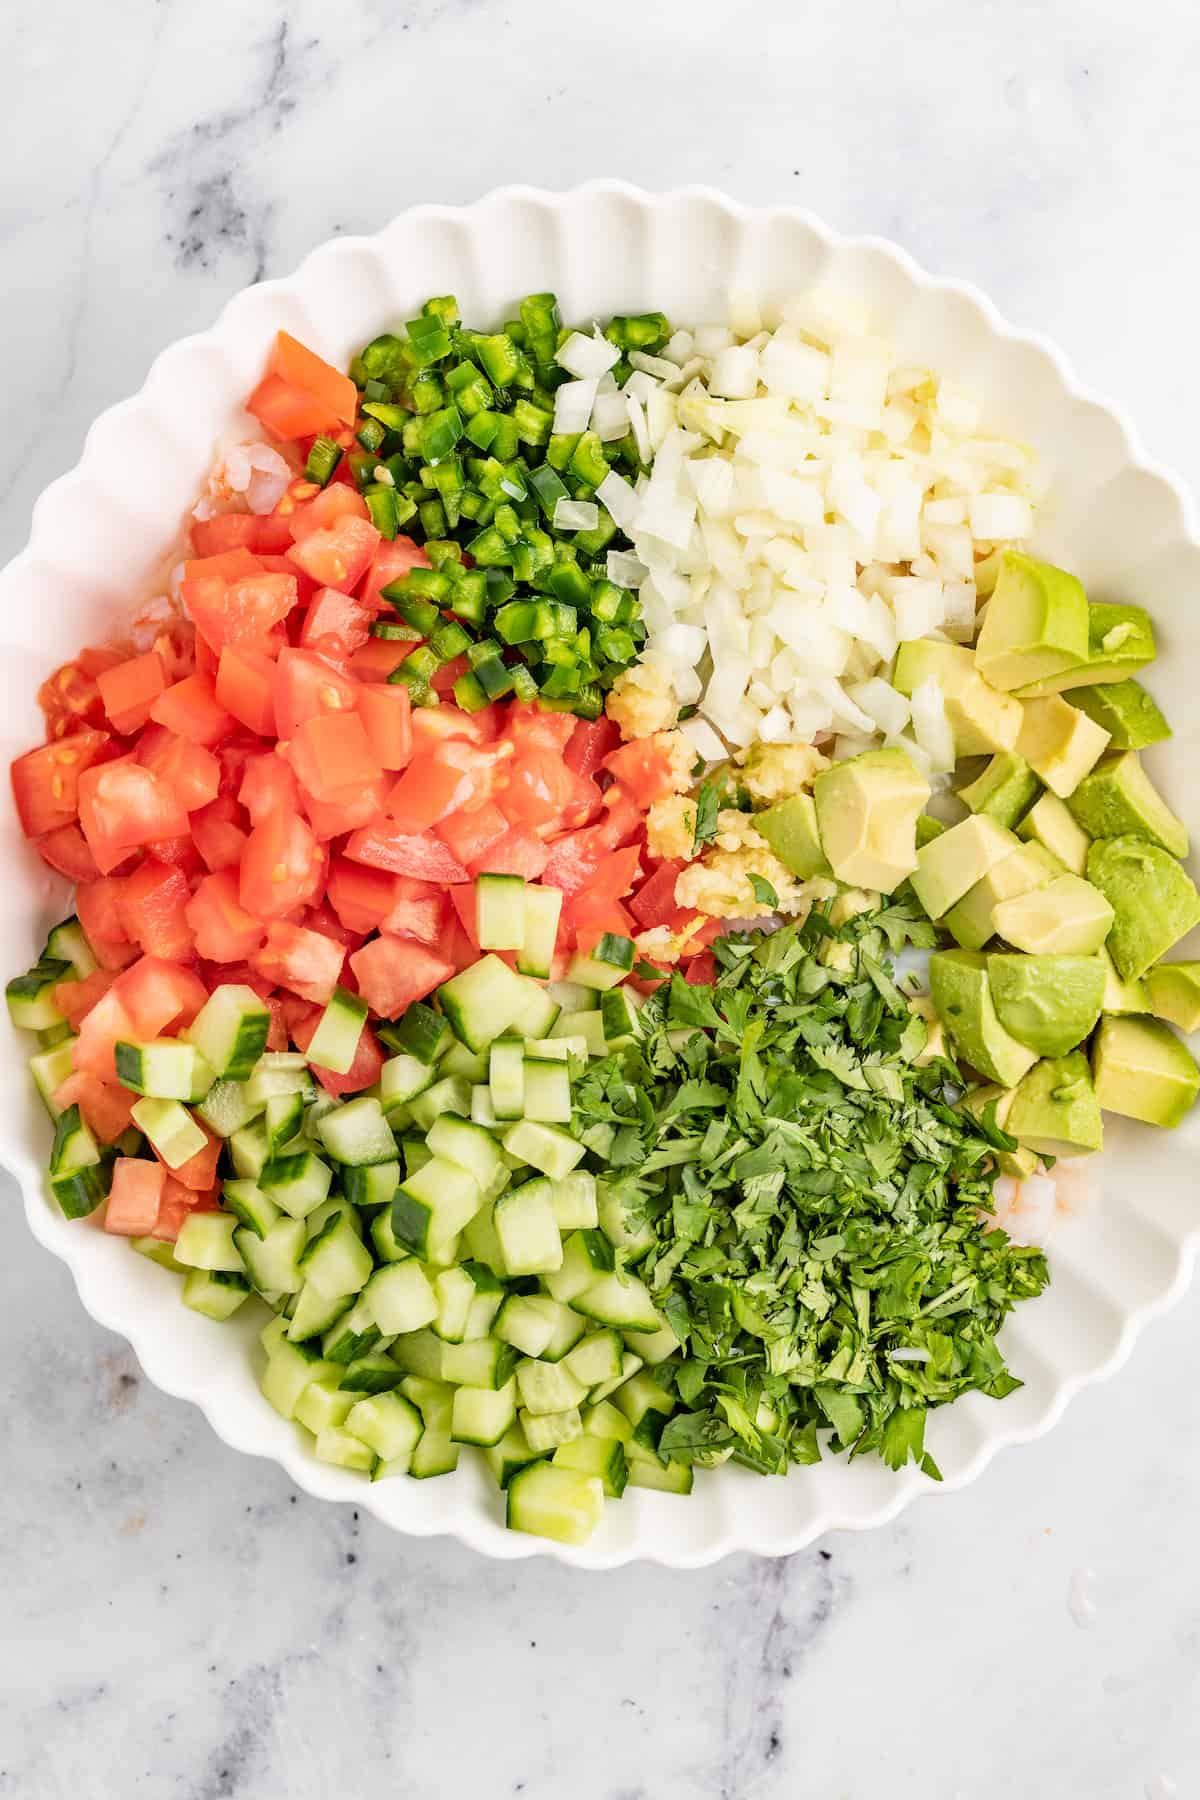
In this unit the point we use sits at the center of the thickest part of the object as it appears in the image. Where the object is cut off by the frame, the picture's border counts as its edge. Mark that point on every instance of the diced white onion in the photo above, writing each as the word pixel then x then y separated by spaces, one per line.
pixel 573 403
pixel 610 417
pixel 998 516
pixel 587 357
pixel 615 493
pixel 576 515
pixel 931 727
pixel 703 739
pixel 623 567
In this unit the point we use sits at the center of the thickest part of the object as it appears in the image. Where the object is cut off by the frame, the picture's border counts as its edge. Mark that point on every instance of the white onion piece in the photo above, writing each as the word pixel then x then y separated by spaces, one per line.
pixel 573 403
pixel 576 515
pixel 931 727
pixel 610 417
pixel 587 357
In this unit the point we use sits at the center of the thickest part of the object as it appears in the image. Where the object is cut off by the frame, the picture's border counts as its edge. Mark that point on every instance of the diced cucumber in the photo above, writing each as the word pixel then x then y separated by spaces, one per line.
pixel 250 1148
pixel 621 1015
pixel 646 1471
pixel 419 1353
pixel 479 1363
pixel 420 1032
pixel 436 1453
pixel 548 1387
pixel 371 1185
pixel 334 1044
pixel 171 1129
pixel 653 1346
pixel 586 1255
pixel 587 1027
pixel 467 1145
pixel 278 1072
pixel 526 1321
pixel 355 1334
pixel 568 1329
pixel 472 1065
pixel 630 1364
pixel 217 1293
pixel 536 1011
pixel 387 1248
pixel 506 1078
pixel 322 1405
pixel 375 1373
pixel 509 1455
pixel 596 1358
pixel 547 1092
pixel 433 1205
pixel 155 1251
pixel 30 997
pixel 230 1031
pixel 574 1201
pixel 554 1049
pixel 602 1419
pixel 250 1206
pixel 289 1370
pixel 165 1069
pixel 316 1221
pixel 336 1262
pixel 620 1300
pixel 67 943
pixel 340 1447
pixel 500 911
pixel 641 1395
pixel 388 1424
pixel 598 1456
pixel 483 1112
pixel 226 1108
pixel 297 1182
pixel 544 1147
pixel 53 1034
pixel 283 1118
pixel 451 1095
pixel 416 1154
pixel 546 1431
pixel 482 1241
pixel 205 1241
pixel 482 1001
pixel 483 1415
pixel 74 1147
pixel 401 1079
pixel 358 1132
pixel 274 1334
pixel 606 965
pixel 543 907
pixel 529 1239
pixel 400 1298
pixel 634 1240
pixel 570 997
pixel 489 1296
pixel 50 1068
pixel 454 1291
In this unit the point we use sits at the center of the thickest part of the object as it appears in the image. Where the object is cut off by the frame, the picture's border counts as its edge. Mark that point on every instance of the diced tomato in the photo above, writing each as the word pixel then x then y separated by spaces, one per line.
pixel 268 786
pixel 307 686
pixel 335 623
pixel 226 565
pixel 386 713
pixel 123 806
pixel 297 382
pixel 622 818
pixel 277 1031
pixel 66 851
pixel 192 771
pixel 199 1172
pixel 382 847
pixel 327 509
pixel 645 767
pixel 306 962
pixel 454 775
pixel 135 1195
pixel 419 910
pixel 130 689
pixel 71 697
pixel 590 742
pixel 587 919
pixel 259 532
pixel 459 949
pixel 391 560
pixel 350 810
pixel 363 1071
pixel 99 1030
pixel 539 789
pixel 45 782
pixel 432 725
pixel 245 687
pixel 392 971
pixel 577 858
pixel 322 918
pixel 701 970
pixel 338 555
pixel 191 710
pixel 217 835
pixel 156 995
pixel 106 1108
pixel 76 998
pixel 470 835
pixel 282 867
pixel 378 658
pixel 463 900
pixel 243 612
pixel 180 852
pixel 654 902
pixel 447 673
pixel 362 898
pixel 332 757
pixel 98 905
pixel 176 1206
pixel 286 410
pixel 153 904
pixel 518 852
pixel 222 929
pixel 207 659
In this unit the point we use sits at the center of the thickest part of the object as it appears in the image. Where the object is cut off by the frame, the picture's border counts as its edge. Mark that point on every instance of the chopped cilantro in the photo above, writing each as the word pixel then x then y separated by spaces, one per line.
pixel 763 891
pixel 708 805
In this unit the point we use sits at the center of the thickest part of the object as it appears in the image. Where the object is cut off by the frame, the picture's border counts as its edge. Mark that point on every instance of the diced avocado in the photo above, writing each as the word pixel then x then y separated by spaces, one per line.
pixel 1121 996
pixel 958 981
pixel 1036 624
pixel 1049 822
pixel 1120 642
pixel 1126 711
pixel 1054 1110
pixel 971 922
pixel 951 865
pixel 980 717
pixel 1060 742
pixel 1050 1003
pixel 867 810
pixel 1005 791
pixel 1142 1071
pixel 1118 799
pixel 790 827
pixel 1173 990
pixel 1019 1162
pixel 927 829
pixel 1067 917
pixel 935 1032
pixel 1153 897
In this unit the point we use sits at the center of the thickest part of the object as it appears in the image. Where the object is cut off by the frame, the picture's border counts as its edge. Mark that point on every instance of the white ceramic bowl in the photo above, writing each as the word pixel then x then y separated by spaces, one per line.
pixel 98 542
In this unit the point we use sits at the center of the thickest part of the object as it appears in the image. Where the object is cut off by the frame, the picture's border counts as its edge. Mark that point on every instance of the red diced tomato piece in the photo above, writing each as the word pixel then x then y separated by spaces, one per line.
pixel 152 905
pixel 518 852
pixel 701 970
pixel 245 611
pixel 332 757
pixel 349 811
pixel 590 742
pixel 306 686
pixel 177 1203
pixel 282 867
pixel 76 998
pixel 199 1172
pixel 459 949
pixel 134 1197
pixel 586 919
pixel 419 910
pixel 654 902
pixel 277 1031
pixel 645 767
pixel 191 710
pixel 245 687
pixel 99 1030
pixel 447 673
pixel 306 962
pixel 192 771
pixel 335 623
pixel 222 928
pixel 98 906
pixel 378 659
pixel 45 782
pixel 226 565
pixel 268 786
pixel 391 560
pixel 123 806
pixel 71 698
pixel 327 509
pixel 130 689
pixel 66 851
pixel 363 1071
pixel 338 555
pixel 386 713
pixel 463 900
pixel 432 725
pixel 331 398
pixel 323 919
pixel 471 834
pixel 258 532
pixel 361 898
pixel 156 995
pixel 382 847
pixel 106 1108
pixel 539 789
pixel 217 835
pixel 392 971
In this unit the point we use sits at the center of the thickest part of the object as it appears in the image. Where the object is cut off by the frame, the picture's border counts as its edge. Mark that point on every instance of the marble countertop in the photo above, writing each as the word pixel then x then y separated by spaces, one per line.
pixel 176 1620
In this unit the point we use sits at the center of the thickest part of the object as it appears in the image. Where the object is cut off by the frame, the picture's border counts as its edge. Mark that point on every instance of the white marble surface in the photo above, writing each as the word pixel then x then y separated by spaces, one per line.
pixel 177 1622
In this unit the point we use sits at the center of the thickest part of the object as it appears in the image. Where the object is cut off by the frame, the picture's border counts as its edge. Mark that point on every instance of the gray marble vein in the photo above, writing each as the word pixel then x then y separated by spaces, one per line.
pixel 176 1623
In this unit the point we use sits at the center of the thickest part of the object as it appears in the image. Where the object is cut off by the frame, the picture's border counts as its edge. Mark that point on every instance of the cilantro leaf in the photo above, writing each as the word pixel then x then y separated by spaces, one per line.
pixel 708 805
pixel 763 891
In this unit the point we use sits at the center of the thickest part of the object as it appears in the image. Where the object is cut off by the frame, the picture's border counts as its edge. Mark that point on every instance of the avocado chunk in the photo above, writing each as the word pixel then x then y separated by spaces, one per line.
pixel 1121 996
pixel 927 829
pixel 971 922
pixel 1049 822
pixel 935 1032
pixel 790 827
pixel 1049 1003
pixel 1055 1110
pixel 1067 917
pixel 949 866
pixel 1019 1162
pixel 1153 897
pixel 958 981
pixel 1005 791
pixel 1173 989
pixel 867 809
pixel 1120 642
pixel 1142 1071
pixel 1126 711
pixel 1036 624
pixel 1060 743
pixel 981 718
pixel 1118 799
